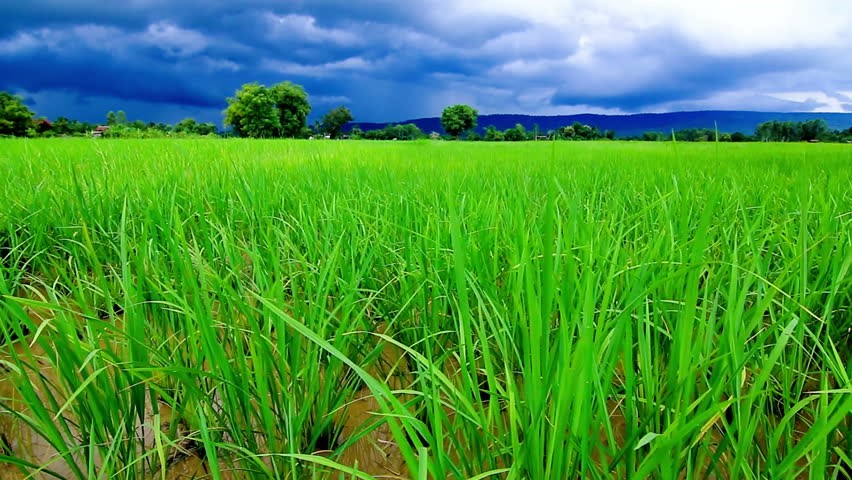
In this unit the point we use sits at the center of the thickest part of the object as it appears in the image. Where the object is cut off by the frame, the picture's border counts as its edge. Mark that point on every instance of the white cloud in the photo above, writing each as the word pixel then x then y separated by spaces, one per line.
pixel 305 28
pixel 748 27
pixel 725 26
pixel 22 42
pixel 92 37
pixel 328 99
pixel 351 64
pixel 218 65
pixel 172 39
pixel 540 41
pixel 728 100
pixel 830 103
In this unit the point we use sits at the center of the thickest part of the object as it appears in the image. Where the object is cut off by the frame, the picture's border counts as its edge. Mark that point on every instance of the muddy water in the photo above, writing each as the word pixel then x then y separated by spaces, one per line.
pixel 375 453
pixel 23 441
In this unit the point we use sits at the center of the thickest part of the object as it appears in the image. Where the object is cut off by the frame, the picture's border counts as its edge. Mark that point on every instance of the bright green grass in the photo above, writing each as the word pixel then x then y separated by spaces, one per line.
pixel 703 288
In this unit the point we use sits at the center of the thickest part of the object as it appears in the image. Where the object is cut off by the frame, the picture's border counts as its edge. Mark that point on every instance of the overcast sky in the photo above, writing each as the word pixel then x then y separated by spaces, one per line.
pixel 391 60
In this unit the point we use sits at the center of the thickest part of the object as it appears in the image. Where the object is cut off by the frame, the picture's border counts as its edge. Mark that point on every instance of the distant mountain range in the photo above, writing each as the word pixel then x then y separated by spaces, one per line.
pixel 629 125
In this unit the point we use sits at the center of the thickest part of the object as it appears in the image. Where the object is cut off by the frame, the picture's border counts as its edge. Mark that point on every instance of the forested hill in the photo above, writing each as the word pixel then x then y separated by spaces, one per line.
pixel 636 124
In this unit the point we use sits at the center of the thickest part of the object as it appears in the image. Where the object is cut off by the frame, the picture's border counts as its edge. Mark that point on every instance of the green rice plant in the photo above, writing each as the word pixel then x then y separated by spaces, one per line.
pixel 294 309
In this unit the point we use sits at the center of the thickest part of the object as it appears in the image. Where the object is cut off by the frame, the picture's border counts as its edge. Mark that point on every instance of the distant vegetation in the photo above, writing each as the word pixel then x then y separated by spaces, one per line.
pixel 282 110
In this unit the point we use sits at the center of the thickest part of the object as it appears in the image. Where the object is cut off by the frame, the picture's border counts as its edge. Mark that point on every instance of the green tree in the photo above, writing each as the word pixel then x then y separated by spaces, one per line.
pixel 409 131
pixel 814 130
pixel 653 136
pixel 81 128
pixel 516 134
pixel 492 134
pixel 116 118
pixel 15 117
pixel 187 125
pixel 206 128
pixel 62 126
pixel 291 100
pixel 333 121
pixel 458 119
pixel 763 131
pixel 253 112
pixel 259 112
pixel 585 132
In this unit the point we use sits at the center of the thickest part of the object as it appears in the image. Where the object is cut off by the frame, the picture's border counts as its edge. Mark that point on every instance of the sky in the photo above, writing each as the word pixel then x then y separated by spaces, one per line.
pixel 391 60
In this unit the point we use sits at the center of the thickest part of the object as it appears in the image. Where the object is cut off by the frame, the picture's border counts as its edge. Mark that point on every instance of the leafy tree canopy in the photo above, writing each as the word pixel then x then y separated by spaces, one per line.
pixel 293 108
pixel 457 119
pixel 15 116
pixel 259 112
pixel 333 121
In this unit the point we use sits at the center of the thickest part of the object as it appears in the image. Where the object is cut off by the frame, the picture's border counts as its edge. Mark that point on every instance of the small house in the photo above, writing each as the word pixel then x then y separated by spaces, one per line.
pixel 100 130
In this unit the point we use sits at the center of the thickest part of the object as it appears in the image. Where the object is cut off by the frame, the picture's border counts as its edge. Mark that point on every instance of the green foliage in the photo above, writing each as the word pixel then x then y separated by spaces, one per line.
pixel 191 127
pixel 116 118
pixel 493 135
pixel 458 119
pixel 739 137
pixel 695 135
pixel 253 113
pixel 579 131
pixel 516 134
pixel 585 310
pixel 810 130
pixel 409 131
pixel 334 120
pixel 293 107
pixel 256 111
pixel 653 136
pixel 15 116
pixel 63 126
pixel 814 130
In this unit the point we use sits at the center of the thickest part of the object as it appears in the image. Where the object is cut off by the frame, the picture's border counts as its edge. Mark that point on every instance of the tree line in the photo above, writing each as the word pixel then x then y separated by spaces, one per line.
pixel 772 131
pixel 282 110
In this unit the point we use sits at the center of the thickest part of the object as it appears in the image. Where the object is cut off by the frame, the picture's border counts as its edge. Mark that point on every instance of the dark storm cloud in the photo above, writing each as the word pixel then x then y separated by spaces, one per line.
pixel 120 80
pixel 387 60
pixel 147 53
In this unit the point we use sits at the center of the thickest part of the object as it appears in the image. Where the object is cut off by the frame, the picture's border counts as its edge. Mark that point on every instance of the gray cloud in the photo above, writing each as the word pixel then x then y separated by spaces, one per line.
pixel 387 60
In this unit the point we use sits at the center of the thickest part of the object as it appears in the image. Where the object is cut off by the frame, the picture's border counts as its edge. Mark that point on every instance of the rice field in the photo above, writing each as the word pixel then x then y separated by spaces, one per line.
pixel 228 309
